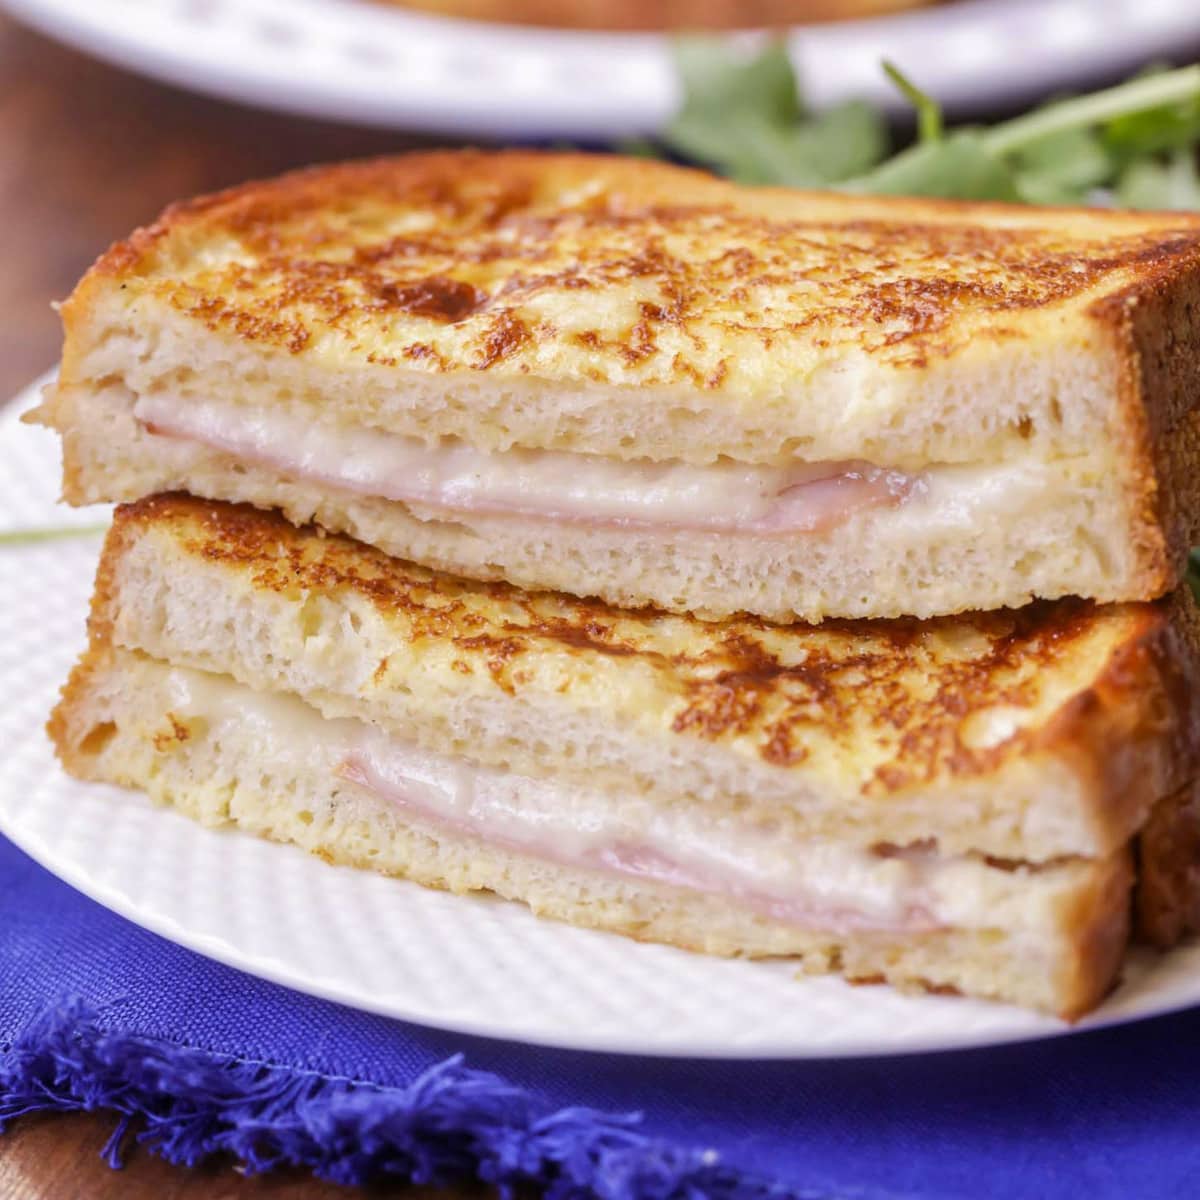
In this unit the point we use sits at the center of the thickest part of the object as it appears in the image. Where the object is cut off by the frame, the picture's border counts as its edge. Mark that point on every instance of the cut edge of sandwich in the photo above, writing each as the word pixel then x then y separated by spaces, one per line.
pixel 1076 535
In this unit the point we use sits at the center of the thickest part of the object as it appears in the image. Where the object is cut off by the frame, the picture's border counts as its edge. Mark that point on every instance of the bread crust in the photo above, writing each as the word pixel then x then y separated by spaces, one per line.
pixel 1167 899
pixel 1153 325
pixel 1135 730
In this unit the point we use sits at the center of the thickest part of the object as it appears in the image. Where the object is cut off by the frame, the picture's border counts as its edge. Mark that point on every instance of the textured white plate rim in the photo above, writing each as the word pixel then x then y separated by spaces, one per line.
pixel 946 1024
pixel 377 65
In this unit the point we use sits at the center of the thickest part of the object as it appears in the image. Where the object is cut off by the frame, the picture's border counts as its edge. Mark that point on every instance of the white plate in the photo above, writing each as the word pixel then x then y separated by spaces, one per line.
pixel 475 965
pixel 358 61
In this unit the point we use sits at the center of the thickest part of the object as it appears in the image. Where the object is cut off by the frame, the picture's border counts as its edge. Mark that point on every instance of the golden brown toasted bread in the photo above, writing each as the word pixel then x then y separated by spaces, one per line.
pixel 450 262
pixel 676 390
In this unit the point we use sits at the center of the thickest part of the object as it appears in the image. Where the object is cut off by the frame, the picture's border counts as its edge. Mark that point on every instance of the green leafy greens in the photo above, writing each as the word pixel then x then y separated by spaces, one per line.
pixel 746 117
pixel 1134 144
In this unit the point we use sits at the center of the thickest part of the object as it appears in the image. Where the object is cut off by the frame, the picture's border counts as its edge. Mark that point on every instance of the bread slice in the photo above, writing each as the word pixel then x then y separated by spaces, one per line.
pixel 630 380
pixel 1030 735
pixel 1050 937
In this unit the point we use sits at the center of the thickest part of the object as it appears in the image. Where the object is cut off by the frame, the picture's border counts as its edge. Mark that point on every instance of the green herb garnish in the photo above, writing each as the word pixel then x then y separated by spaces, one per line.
pixel 746 118
pixel 1133 144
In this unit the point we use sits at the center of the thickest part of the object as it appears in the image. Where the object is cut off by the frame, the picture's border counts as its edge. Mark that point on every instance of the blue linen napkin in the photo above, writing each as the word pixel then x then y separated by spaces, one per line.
pixel 97 1013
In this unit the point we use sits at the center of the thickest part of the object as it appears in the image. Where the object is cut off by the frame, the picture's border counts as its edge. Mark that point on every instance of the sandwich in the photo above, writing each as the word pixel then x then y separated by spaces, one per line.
pixel 662 14
pixel 991 804
pixel 632 381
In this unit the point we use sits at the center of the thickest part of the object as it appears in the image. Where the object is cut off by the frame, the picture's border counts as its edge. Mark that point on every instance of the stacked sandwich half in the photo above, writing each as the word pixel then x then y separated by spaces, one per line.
pixel 765 573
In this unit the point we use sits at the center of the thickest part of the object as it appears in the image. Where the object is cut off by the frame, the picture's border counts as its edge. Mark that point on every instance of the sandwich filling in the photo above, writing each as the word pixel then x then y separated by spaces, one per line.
pixel 547 484
pixel 583 489
pixel 817 884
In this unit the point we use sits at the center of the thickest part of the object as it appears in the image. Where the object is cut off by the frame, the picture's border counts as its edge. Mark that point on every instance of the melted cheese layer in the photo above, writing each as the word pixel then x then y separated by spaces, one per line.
pixel 548 484
pixel 819 884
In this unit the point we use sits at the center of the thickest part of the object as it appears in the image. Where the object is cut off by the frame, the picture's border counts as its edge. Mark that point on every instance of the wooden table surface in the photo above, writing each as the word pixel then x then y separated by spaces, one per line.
pixel 86 153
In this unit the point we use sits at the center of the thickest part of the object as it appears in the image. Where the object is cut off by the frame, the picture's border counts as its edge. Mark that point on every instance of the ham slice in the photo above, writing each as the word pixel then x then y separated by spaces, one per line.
pixel 481 803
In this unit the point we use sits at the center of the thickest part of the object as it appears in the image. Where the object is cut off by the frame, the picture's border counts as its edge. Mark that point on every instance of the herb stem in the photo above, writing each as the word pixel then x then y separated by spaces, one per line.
pixel 1152 91
pixel 24 537
pixel 929 112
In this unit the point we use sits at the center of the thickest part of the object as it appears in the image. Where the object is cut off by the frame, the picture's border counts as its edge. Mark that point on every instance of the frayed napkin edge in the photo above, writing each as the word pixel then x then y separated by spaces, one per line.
pixel 450 1124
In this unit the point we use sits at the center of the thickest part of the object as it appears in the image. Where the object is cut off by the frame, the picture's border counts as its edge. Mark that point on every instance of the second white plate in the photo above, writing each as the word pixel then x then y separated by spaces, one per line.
pixel 475 965
pixel 376 64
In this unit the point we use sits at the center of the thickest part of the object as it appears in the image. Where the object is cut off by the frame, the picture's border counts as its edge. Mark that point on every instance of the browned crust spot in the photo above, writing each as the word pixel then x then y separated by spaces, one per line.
pixel 174 735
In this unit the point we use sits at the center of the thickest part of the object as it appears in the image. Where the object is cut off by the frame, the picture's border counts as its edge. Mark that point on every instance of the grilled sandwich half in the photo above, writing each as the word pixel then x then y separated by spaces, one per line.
pixel 633 381
pixel 950 804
